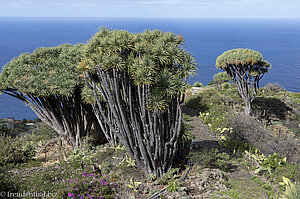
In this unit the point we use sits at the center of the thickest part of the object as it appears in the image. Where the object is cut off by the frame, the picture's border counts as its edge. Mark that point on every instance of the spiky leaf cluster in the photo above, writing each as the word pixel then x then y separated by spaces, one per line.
pixel 245 68
pixel 45 72
pixel 151 58
pixel 243 59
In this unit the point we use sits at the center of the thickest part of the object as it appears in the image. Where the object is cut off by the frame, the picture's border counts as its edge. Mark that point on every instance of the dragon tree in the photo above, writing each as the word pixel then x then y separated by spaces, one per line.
pixel 245 68
pixel 142 78
pixel 48 82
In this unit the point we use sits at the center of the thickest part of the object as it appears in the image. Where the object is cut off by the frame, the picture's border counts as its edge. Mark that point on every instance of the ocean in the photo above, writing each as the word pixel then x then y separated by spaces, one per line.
pixel 277 39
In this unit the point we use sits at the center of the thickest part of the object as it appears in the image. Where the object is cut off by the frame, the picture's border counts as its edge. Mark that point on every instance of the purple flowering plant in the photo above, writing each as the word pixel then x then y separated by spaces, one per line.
pixel 89 185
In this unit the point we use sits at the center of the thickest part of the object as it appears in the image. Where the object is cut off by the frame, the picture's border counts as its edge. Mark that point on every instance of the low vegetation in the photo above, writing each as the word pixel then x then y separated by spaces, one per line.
pixel 126 124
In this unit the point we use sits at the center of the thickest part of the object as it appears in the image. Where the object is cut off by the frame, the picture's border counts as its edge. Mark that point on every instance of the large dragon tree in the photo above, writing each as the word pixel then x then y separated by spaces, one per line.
pixel 48 82
pixel 245 68
pixel 142 77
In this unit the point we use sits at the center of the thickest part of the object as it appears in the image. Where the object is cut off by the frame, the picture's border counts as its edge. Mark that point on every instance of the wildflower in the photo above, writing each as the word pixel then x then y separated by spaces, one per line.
pixel 84 174
pixel 70 195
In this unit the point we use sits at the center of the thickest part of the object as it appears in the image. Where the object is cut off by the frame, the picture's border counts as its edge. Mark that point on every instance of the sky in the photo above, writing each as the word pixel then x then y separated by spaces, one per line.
pixel 152 8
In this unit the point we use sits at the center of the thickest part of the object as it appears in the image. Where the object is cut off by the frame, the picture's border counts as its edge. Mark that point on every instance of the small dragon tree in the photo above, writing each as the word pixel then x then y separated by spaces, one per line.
pixel 245 68
pixel 48 82
pixel 142 77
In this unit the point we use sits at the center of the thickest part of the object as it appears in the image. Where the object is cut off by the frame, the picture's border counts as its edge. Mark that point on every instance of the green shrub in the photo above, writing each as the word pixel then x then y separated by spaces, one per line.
pixel 186 133
pixel 232 93
pixel 290 171
pixel 89 186
pixel 222 76
pixel 50 179
pixel 13 151
pixel 197 84
pixel 3 129
pixel 236 147
pixel 6 182
pixel 217 117
pixel 211 159
pixel 225 85
pixel 274 87
pixel 206 99
pixel 274 161
pixel 169 176
pixel 292 191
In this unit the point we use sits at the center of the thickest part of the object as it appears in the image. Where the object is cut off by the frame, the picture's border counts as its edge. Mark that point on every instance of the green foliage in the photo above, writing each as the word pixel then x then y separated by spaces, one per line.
pixel 197 84
pixel 50 83
pixel 290 171
pixel 151 58
pixel 6 182
pixel 211 159
pixel 205 100
pixel 52 179
pixel 128 161
pixel 245 68
pixel 89 186
pixel 3 129
pixel 266 164
pixel 152 176
pixel 232 93
pixel 143 79
pixel 274 161
pixel 186 133
pixel 216 118
pixel 261 183
pixel 221 77
pixel 13 151
pixel 78 156
pixel 84 155
pixel 212 107
pixel 173 185
pixel 264 185
pixel 39 136
pixel 171 175
pixel 226 85
pixel 236 147
pixel 134 185
pixel 243 57
pixel 47 71
pixel 292 191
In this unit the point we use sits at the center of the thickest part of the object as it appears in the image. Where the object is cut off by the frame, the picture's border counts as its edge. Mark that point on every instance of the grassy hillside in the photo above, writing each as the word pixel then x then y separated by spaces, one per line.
pixel 232 155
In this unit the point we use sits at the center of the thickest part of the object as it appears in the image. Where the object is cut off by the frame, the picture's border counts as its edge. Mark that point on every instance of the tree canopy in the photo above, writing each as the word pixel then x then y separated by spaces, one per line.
pixel 142 77
pixel 49 82
pixel 245 67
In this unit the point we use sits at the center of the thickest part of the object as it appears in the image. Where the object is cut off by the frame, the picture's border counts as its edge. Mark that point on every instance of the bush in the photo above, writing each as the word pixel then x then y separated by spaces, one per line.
pixel 211 159
pixel 274 87
pixel 13 151
pixel 273 161
pixel 251 131
pixel 292 191
pixel 197 84
pixel 291 171
pixel 3 129
pixel 237 147
pixel 6 182
pixel 204 100
pixel 225 85
pixel 222 76
pixel 89 186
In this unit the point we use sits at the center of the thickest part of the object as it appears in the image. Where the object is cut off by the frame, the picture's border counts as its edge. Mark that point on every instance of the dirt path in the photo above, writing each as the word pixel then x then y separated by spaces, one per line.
pixel 244 187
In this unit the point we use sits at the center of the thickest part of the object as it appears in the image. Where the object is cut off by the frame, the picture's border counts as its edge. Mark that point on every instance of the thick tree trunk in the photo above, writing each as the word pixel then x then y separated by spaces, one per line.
pixel 150 137
pixel 248 109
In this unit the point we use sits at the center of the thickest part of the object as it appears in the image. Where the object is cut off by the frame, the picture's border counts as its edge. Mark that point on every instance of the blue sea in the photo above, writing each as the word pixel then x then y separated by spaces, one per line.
pixel 277 39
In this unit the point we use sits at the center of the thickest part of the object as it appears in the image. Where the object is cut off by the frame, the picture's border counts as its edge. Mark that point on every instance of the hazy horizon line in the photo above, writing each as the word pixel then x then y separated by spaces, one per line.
pixel 85 17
